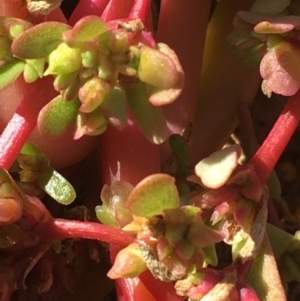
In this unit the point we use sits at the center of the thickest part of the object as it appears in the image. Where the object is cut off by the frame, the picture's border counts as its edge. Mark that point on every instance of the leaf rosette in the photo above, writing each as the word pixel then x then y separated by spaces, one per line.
pixel 89 62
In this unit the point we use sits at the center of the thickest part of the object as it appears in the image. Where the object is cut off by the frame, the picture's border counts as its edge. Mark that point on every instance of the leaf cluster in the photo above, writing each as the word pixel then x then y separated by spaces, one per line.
pixel 99 71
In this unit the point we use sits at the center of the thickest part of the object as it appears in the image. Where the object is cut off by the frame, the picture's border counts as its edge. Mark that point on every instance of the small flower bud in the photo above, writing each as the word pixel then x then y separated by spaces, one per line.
pixel 89 59
pixel 63 60
pixel 92 94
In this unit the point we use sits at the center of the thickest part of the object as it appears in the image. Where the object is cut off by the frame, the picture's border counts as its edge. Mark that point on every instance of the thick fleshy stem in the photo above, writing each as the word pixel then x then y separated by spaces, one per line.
pixel 127 155
pixel 140 10
pixel 182 25
pixel 117 9
pixel 265 159
pixel 24 120
pixel 62 229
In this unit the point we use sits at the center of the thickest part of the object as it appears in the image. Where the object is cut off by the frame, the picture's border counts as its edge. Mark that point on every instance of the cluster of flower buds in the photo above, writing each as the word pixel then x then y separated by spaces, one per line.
pixel 176 241
pixel 99 70
pixel 269 34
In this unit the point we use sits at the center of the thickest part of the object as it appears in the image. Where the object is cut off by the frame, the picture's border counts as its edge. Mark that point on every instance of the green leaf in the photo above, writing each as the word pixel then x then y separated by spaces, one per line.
pixel 9 72
pixel 92 94
pixel 280 240
pixel 57 186
pixel 34 69
pixel 150 119
pixel 64 60
pixel 157 69
pixel 30 75
pixel 106 217
pixel 57 116
pixel 91 124
pixel 210 255
pixel 86 29
pixel 264 276
pixel 153 195
pixel 114 108
pixel 274 185
pixel 39 41
pixel 129 263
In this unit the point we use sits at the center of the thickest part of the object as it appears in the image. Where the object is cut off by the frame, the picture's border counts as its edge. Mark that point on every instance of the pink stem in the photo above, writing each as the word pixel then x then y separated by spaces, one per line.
pixel 117 9
pixel 63 229
pixel 87 7
pixel 182 25
pixel 127 155
pixel 140 10
pixel 24 120
pixel 273 146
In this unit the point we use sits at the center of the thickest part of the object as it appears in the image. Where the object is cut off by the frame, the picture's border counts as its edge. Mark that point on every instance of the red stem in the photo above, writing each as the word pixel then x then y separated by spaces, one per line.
pixel 182 25
pixel 117 9
pixel 140 10
pixel 24 120
pixel 268 154
pixel 127 155
pixel 62 229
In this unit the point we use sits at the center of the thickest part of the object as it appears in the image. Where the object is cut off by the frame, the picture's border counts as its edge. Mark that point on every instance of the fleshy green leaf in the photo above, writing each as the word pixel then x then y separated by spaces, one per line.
pixel 63 81
pixel 153 195
pixel 63 60
pixel 92 94
pixel 280 240
pixel 29 149
pixel 114 108
pixel 106 217
pixel 91 124
pixel 86 29
pixel 9 72
pixel 157 69
pixel 129 263
pixel 30 75
pixel 57 116
pixel 274 185
pixel 264 277
pixel 39 41
pixel 149 118
pixel 57 186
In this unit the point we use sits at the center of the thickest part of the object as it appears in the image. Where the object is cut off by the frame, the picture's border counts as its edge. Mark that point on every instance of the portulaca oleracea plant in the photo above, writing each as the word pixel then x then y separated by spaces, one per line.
pixel 136 101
